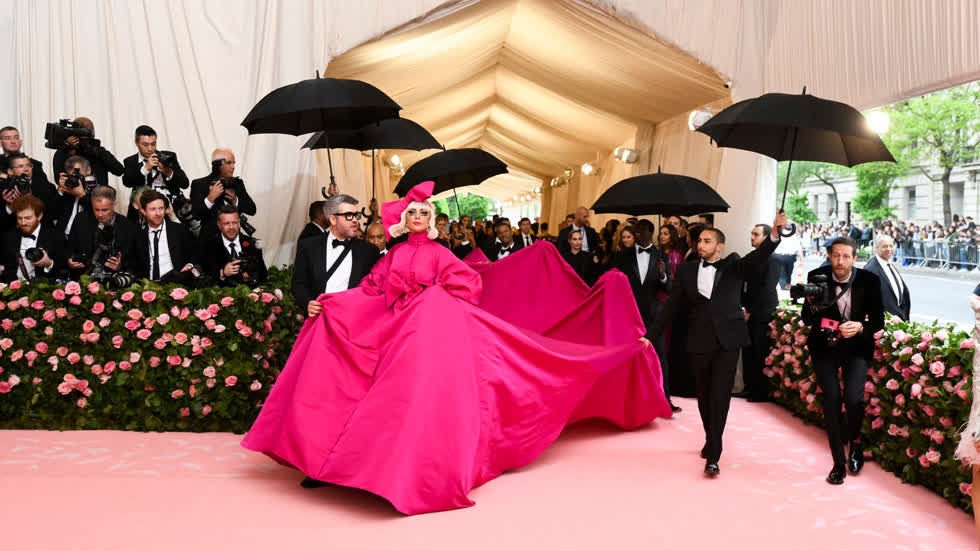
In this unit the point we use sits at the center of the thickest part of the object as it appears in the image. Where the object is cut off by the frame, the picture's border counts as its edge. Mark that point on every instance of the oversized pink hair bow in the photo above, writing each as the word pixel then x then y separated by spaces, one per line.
pixel 391 212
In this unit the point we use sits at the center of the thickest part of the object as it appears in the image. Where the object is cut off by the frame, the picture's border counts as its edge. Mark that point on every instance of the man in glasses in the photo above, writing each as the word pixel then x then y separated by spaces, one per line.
pixel 335 260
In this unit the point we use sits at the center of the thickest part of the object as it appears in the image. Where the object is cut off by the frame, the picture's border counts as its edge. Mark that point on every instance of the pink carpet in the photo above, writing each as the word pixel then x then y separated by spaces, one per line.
pixel 596 488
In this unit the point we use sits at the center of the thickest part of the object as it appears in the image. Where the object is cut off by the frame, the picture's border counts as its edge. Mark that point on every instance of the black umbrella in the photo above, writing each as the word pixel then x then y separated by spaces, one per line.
pixel 659 193
pixel 790 127
pixel 451 169
pixel 319 104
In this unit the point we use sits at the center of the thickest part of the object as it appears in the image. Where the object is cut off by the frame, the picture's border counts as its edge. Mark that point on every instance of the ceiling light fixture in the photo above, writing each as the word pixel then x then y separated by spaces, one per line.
pixel 698 117
pixel 625 155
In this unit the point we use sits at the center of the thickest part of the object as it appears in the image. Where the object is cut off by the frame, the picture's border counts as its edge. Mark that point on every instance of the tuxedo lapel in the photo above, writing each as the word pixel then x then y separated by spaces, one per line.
pixel 636 265
pixel 319 259
pixel 718 272
pixel 355 268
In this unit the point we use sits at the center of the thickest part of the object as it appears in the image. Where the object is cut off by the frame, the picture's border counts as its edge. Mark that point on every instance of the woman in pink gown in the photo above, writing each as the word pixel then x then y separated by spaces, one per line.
pixel 375 396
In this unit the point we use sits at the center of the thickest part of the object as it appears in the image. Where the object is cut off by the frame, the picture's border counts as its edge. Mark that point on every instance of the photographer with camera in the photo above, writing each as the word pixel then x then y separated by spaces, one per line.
pixel 30 250
pixel 157 169
pixel 218 189
pixel 166 249
pixel 11 143
pixel 230 257
pixel 102 244
pixel 843 309
pixel 74 185
pixel 19 183
pixel 77 137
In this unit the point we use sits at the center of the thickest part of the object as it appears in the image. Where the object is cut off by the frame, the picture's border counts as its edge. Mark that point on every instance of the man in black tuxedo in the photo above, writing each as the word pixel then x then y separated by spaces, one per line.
pixel 72 201
pixel 220 188
pixel 229 257
pixel 842 327
pixel 711 292
pixel 11 143
pixel 504 245
pixel 29 234
pixel 895 297
pixel 101 229
pixel 318 224
pixel 166 248
pixel 647 273
pixel 524 235
pixel 103 162
pixel 153 168
pixel 20 167
pixel 760 301
pixel 590 238
pixel 335 261
pixel 374 234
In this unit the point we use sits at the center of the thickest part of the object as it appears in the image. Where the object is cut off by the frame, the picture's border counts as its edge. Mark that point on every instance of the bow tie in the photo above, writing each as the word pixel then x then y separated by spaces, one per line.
pixel 28 237
pixel 841 284
pixel 706 264
pixel 338 243
pixel 502 248
pixel 642 250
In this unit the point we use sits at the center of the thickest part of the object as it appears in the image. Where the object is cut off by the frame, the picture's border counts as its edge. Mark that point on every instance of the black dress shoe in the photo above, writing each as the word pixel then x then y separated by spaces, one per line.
pixel 837 475
pixel 742 394
pixel 758 399
pixel 675 409
pixel 313 483
pixel 856 459
pixel 704 453
pixel 711 469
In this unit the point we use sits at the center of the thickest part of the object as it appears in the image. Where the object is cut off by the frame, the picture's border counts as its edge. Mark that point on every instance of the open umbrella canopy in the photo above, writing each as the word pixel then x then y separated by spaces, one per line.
pixel 659 193
pixel 451 169
pixel 798 127
pixel 319 104
pixel 386 134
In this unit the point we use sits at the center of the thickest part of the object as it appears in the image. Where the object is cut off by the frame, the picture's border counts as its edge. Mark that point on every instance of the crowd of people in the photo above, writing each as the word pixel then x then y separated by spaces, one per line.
pixel 68 226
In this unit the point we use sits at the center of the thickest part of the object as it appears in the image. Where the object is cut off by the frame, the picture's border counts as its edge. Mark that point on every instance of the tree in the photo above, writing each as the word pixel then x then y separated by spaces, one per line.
pixel 825 173
pixel 941 128
pixel 874 184
pixel 798 209
pixel 476 206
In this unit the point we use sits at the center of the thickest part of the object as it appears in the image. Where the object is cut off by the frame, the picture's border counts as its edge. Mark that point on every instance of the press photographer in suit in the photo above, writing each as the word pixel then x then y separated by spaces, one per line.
pixel 230 257
pixel 102 161
pixel 844 312
pixel 334 261
pixel 11 143
pixel 166 248
pixel 20 182
pixel 102 243
pixel 710 291
pixel 30 250
pixel 212 192
pixel 157 169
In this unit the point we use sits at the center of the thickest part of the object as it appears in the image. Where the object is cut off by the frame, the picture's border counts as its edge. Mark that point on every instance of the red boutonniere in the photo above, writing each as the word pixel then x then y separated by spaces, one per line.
pixel 245 243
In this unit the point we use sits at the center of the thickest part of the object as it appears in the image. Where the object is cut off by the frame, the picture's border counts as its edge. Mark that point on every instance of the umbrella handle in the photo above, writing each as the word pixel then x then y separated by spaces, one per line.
pixel 789 230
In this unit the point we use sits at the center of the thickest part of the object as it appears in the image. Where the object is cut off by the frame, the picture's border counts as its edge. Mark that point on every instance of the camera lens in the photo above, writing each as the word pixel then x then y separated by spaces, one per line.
pixel 34 254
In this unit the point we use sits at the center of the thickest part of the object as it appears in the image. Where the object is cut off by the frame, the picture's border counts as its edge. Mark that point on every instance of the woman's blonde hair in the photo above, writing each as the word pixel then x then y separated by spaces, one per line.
pixel 401 228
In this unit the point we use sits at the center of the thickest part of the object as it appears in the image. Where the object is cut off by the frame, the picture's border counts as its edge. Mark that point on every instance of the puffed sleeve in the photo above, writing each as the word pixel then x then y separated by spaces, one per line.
pixel 457 278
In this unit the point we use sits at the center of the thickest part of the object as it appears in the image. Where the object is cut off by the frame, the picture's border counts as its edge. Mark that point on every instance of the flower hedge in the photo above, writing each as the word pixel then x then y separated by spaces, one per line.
pixel 918 395
pixel 152 357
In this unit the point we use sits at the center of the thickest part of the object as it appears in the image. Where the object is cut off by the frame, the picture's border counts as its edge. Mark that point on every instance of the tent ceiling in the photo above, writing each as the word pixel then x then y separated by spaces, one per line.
pixel 543 84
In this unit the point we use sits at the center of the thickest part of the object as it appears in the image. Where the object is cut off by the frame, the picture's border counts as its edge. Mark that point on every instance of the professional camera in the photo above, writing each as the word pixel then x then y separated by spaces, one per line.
pixel 73 180
pixel 185 212
pixel 194 278
pixel 56 134
pixel 21 183
pixel 819 289
pixel 167 158
pixel 34 254
pixel 105 248
pixel 120 280
pixel 243 224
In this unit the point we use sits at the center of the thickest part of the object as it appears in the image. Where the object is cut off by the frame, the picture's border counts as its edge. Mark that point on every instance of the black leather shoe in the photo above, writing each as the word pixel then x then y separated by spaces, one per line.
pixel 837 475
pixel 856 459
pixel 704 454
pixel 711 469
pixel 758 399
pixel 742 394
pixel 313 483
pixel 675 409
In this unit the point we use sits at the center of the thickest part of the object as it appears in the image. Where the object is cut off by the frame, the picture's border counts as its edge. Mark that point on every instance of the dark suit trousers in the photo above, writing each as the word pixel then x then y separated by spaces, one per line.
pixel 660 347
pixel 714 375
pixel 754 357
pixel 855 372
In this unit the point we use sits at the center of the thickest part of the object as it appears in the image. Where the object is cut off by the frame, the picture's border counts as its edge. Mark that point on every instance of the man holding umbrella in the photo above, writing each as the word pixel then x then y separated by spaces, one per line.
pixel 710 291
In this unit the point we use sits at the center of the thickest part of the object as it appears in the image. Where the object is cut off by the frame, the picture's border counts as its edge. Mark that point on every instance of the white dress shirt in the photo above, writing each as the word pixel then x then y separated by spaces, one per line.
pixel 157 182
pixel 585 241
pixel 26 243
pixel 844 301
pixel 706 279
pixel 166 263
pixel 894 279
pixel 237 242
pixel 526 239
pixel 341 277
pixel 643 261
pixel 504 253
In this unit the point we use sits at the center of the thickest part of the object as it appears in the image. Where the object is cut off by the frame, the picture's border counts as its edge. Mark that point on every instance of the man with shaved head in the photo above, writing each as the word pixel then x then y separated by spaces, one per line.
pixel 220 187
pixel 895 296
pixel 375 235
pixel 590 238
pixel 102 161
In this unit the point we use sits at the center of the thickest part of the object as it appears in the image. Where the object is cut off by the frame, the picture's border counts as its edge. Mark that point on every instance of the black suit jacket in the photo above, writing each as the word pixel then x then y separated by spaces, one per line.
pixel 180 243
pixel 43 190
pixel 590 235
pixel 310 268
pixel 717 322
pixel 492 250
pixel 310 230
pixel 103 163
pixel 81 240
pixel 759 296
pixel 900 307
pixel 214 256
pixel 519 238
pixel 133 178
pixel 49 239
pixel 209 217
pixel 865 307
pixel 645 293
pixel 584 265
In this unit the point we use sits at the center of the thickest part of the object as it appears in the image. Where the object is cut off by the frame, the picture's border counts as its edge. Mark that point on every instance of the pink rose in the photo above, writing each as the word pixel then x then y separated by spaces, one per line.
pixel 192 391
pixel 74 357
pixel 6 343
pixel 98 308
pixel 184 313
pixel 937 437
pixel 60 312
pixel 134 314
pixel 209 371
pixel 206 410
pixel 134 357
pixel 911 452
pixel 104 322
pixel 29 323
pixel 62 351
pixel 246 331
pixel 154 361
pixel 109 367
pixel 177 394
pixel 7 324
pixel 916 390
pixel 127 296
pixel 75 300
pixel 88 326
pixel 117 341
pixel 143 334
pixel 41 347
pixel 64 388
pixel 955 371
pixel 942 334
pixel 213 309
pixel 933 456
pixel 917 359
pixel 15 284
pixel 267 298
pixel 17 355
pixel 968 343
pixel 132 325
pixel 210 324
pixel 254 297
pixel 184 412
pixel 58 294
pixel 877 423
pixel 937 369
pixel 962 394
pixel 4 387
pixel 219 328
pixel 900 399
pixel 159 344
pixel 210 383
pixel 38 305
pixel 82 402
pixel 87 360
pixel 125 366
pixel 966 488
pixel 149 296
pixel 178 293
pixel 227 301
pixel 163 319
pixel 93 287
pixel 175 311
pixel 257 385
pixel 31 356
pixel 946 422
pixel 48 331
pixel 96 370
pixel 892 384
pixel 203 315
pixel 180 338
pixel 173 360
pixel 186 362
pixel 36 381
pixel 929 410
pixel 13 305
pixel 231 380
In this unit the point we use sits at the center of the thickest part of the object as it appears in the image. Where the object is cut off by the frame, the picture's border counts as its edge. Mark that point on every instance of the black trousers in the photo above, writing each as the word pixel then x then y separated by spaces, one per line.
pixel 854 369
pixel 754 357
pixel 659 346
pixel 714 375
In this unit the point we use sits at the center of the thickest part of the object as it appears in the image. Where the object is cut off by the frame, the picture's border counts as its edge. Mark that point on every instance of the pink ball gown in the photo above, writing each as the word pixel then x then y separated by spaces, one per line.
pixel 412 388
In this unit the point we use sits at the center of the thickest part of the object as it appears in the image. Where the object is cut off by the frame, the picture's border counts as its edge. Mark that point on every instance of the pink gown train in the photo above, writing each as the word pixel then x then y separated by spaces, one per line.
pixel 417 388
